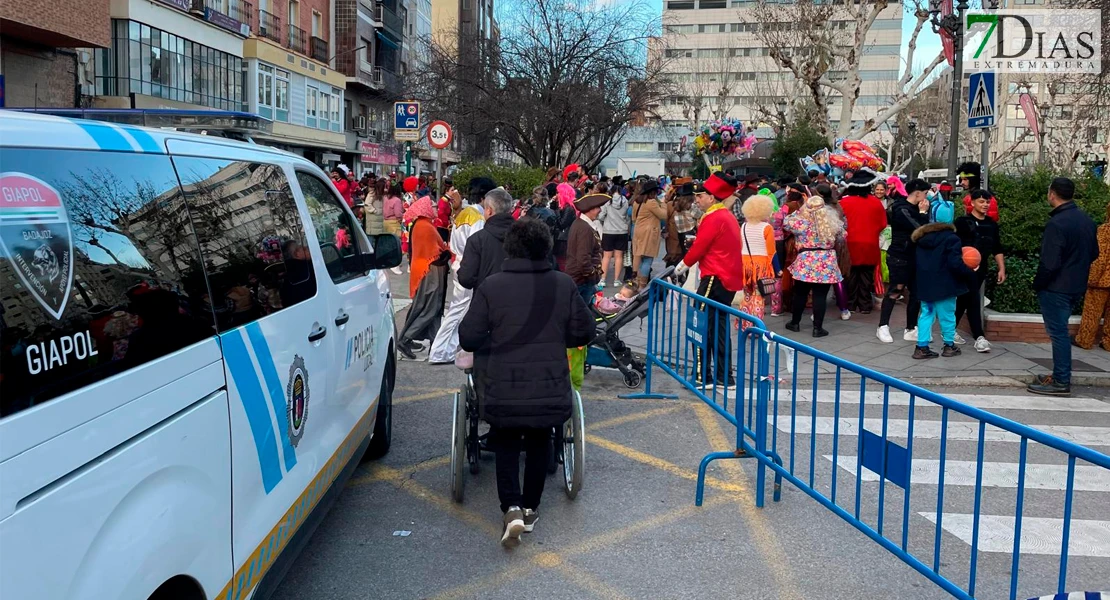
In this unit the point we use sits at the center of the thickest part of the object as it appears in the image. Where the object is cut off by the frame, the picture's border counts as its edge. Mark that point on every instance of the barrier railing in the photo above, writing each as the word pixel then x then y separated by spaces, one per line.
pixel 678 331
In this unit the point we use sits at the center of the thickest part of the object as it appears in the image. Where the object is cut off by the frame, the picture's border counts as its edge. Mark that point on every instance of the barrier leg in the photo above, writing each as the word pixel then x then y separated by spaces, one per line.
pixel 701 471
pixel 649 356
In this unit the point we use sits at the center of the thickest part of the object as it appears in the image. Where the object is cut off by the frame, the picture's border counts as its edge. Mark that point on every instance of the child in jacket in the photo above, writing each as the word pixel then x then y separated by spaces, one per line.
pixel 941 277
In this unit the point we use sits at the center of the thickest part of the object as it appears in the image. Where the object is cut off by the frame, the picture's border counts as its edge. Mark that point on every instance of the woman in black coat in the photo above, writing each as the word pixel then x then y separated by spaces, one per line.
pixel 520 323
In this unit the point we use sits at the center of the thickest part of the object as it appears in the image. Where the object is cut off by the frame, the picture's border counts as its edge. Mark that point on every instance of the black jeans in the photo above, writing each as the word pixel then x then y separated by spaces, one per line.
pixel 861 286
pixel 970 304
pixel 717 336
pixel 820 301
pixel 913 306
pixel 507 444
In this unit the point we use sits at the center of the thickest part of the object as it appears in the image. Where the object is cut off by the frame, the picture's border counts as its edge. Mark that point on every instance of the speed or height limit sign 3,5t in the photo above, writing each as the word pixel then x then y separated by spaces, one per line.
pixel 406 121
pixel 439 135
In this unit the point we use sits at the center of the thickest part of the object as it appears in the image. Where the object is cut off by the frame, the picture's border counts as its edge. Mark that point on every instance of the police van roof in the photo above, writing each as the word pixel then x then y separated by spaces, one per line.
pixel 32 130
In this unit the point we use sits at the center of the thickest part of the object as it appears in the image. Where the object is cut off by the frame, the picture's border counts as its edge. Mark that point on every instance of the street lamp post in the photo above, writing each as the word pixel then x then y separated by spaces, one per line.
pixel 893 140
pixel 913 146
pixel 781 106
pixel 953 25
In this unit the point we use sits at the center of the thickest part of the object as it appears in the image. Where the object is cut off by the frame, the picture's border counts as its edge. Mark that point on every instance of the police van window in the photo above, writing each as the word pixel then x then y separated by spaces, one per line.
pixel 335 229
pixel 99 270
pixel 251 236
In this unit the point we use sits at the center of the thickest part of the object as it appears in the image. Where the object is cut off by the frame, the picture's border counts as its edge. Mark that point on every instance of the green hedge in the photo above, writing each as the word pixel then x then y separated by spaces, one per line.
pixel 1023 211
pixel 520 179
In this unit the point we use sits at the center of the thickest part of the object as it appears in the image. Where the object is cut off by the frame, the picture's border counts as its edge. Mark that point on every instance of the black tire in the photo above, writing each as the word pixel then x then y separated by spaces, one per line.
pixel 458 447
pixel 574 449
pixel 586 369
pixel 632 379
pixel 383 427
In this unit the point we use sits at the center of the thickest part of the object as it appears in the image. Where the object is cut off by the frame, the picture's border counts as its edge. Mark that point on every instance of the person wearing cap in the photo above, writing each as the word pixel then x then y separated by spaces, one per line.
pixel 344 182
pixel 716 251
pixel 584 246
pixel 749 189
pixel 866 219
pixel 647 214
pixel 970 174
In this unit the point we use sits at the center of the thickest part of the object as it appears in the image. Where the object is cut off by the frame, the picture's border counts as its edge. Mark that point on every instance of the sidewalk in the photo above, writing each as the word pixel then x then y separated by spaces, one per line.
pixel 1010 364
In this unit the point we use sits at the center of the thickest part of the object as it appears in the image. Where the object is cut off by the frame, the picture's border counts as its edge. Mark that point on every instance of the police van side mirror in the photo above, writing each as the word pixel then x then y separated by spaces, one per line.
pixel 387 252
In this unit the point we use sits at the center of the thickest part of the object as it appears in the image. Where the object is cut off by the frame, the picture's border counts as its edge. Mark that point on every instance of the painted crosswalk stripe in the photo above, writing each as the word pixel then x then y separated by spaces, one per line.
pixel 1038 535
pixel 957 430
pixel 995 474
pixel 988 403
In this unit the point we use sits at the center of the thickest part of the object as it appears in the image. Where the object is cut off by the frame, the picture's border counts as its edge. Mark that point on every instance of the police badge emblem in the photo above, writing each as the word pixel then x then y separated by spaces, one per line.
pixel 297 396
pixel 36 238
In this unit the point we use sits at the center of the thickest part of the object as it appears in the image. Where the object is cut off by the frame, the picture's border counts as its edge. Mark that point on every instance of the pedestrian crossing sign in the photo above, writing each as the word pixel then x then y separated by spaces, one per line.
pixel 982 107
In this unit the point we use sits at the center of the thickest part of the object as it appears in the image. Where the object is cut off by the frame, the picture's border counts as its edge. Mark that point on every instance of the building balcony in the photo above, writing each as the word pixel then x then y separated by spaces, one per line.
pixel 319 49
pixel 234 15
pixel 296 40
pixel 374 10
pixel 269 26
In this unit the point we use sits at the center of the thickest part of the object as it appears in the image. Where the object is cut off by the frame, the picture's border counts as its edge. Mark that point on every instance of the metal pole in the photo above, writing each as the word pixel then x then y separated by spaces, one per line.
pixel 985 157
pixel 439 172
pixel 408 159
pixel 957 86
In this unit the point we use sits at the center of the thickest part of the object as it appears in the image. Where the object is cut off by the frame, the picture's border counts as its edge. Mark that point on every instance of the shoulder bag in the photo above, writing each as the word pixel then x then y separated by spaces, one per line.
pixel 764 285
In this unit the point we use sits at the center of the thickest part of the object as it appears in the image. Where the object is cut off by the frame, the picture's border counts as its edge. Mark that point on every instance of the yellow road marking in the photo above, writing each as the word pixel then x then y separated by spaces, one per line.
pixel 435 393
pixel 403 482
pixel 774 558
pixel 588 582
pixel 377 474
pixel 639 416
pixel 663 465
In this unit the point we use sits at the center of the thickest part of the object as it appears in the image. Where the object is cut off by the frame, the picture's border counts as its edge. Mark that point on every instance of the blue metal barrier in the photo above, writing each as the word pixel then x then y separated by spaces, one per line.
pixel 757 402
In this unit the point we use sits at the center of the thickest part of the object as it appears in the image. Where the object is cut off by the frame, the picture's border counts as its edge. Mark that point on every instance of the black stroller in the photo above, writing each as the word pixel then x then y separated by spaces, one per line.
pixel 608 350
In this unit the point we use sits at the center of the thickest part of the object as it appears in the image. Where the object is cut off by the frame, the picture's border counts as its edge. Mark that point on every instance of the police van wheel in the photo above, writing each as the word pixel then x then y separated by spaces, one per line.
pixel 383 427
pixel 574 449
pixel 458 447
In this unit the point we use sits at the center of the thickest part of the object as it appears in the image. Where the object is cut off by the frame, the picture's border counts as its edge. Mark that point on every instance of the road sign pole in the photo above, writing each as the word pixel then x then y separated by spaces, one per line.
pixel 439 172
pixel 408 159
pixel 985 157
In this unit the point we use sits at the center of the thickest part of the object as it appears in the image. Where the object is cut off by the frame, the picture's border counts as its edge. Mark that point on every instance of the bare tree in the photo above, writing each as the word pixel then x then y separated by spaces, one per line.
pixel 822 44
pixel 705 83
pixel 560 86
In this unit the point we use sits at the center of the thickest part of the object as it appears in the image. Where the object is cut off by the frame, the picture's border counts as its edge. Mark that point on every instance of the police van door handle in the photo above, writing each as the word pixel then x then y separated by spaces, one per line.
pixel 342 319
pixel 318 332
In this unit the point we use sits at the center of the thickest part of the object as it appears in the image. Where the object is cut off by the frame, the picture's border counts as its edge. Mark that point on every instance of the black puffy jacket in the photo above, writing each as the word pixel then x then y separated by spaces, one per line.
pixel 485 251
pixel 904 218
pixel 520 323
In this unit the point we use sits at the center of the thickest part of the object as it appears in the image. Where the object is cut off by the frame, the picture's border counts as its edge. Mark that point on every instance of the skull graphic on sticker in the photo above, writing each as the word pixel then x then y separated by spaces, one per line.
pixel 35 236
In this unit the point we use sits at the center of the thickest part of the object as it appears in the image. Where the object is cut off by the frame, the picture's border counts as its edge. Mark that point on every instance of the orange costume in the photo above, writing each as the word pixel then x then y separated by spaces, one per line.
pixel 427 245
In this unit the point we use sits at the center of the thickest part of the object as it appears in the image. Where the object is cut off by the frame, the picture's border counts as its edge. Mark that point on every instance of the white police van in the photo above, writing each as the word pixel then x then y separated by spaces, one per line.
pixel 197 350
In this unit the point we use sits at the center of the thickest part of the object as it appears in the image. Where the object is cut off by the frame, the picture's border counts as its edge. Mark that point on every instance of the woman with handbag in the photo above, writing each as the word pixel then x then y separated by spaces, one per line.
pixel 758 251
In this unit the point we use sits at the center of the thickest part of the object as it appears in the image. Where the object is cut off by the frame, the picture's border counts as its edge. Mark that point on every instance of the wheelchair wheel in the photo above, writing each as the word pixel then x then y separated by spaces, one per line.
pixel 458 447
pixel 473 440
pixel 574 449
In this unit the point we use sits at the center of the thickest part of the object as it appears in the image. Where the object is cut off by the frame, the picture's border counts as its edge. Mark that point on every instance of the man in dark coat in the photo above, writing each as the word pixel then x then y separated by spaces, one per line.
pixel 1068 248
pixel 520 323
pixel 584 246
pixel 485 250
pixel 942 276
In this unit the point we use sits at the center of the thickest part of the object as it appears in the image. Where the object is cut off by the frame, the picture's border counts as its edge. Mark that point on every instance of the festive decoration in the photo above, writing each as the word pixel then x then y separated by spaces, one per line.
pixel 719 139
pixel 847 155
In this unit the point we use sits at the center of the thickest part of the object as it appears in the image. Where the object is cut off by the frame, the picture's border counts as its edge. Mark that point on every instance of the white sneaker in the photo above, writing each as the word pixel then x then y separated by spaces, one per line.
pixel 959 340
pixel 810 317
pixel 910 335
pixel 883 333
pixel 982 345
pixel 514 526
pixel 845 315
pixel 396 270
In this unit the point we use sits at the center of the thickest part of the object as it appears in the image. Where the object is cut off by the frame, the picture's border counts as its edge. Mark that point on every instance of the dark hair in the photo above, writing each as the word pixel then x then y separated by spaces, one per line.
pixel 601 187
pixel 813 173
pixel 784 181
pixel 573 176
pixel 1063 187
pixel 395 189
pixel 825 191
pixel 973 169
pixel 478 188
pixel 980 193
pixel 917 185
pixel 529 239
pixel 805 180
pixel 796 193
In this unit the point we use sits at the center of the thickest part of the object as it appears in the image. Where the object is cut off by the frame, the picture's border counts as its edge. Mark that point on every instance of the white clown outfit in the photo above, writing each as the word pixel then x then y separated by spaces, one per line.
pixel 469 221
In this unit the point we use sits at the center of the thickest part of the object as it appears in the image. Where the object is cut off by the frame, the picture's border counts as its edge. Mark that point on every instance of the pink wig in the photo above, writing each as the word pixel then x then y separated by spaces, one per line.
pixel 895 183
pixel 566 195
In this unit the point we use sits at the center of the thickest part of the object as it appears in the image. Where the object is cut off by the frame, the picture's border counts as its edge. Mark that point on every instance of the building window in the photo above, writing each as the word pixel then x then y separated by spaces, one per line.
pixel 316 20
pixel 310 98
pixel 266 91
pixel 146 60
pixel 637 147
pixel 713 4
pixel 667 146
pixel 674 5
pixel 1014 134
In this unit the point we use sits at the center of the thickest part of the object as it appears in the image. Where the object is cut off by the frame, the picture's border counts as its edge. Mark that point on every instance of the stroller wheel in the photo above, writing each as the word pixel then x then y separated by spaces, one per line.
pixel 586 369
pixel 632 379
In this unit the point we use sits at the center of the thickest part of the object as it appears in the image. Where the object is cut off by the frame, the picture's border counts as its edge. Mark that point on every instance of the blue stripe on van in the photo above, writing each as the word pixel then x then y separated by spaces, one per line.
pixel 145 140
pixel 250 392
pixel 277 392
pixel 106 137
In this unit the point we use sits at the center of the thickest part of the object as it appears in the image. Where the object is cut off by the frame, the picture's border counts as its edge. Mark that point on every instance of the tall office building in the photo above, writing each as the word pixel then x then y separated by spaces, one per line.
pixel 703 39
pixel 468 28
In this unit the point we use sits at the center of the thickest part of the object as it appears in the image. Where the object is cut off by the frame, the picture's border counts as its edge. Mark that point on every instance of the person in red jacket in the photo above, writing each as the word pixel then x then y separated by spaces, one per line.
pixel 716 250
pixel 970 176
pixel 866 219
pixel 344 182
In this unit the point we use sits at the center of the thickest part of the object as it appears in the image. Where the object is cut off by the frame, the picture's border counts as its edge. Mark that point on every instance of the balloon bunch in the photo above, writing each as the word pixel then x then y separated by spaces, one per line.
pixel 723 137
pixel 847 155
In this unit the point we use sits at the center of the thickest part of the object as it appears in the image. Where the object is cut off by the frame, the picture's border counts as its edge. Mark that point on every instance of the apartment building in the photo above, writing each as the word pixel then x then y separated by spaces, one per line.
pixel 467 27
pixel 40 56
pixel 705 39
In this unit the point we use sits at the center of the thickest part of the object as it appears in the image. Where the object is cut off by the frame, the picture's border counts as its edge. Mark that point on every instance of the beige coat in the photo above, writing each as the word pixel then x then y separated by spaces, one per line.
pixel 646 218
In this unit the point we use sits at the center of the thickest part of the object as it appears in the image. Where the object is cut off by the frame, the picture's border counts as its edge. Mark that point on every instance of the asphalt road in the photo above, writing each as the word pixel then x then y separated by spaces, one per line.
pixel 634 531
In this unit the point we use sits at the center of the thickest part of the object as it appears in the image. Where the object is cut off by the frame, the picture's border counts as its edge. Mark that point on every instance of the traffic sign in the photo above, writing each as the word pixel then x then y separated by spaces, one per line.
pixel 982 108
pixel 440 135
pixel 406 121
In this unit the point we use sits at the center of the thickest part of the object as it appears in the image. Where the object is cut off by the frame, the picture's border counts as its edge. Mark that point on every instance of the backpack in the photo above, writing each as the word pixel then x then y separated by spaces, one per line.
pixel 941 210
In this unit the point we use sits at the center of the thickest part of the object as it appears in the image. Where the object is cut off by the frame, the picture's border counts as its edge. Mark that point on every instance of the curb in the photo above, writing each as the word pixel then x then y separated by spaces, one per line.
pixel 1084 379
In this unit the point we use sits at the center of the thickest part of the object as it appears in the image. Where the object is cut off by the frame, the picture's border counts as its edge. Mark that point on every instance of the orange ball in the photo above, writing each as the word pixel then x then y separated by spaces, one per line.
pixel 972 258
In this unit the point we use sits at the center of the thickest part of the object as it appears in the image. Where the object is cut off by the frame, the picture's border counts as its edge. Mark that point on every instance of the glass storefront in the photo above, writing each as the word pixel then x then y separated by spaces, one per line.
pixel 146 60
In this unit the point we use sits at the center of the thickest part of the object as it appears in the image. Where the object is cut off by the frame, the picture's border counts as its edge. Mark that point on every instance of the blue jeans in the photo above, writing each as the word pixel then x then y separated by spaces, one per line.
pixel 588 291
pixel 645 265
pixel 1055 309
pixel 943 311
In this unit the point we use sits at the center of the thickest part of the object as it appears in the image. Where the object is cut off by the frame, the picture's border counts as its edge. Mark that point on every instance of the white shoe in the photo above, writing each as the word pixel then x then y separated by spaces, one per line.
pixel 845 315
pixel 959 340
pixel 982 345
pixel 883 333
pixel 910 335
pixel 514 526
pixel 810 317
pixel 396 270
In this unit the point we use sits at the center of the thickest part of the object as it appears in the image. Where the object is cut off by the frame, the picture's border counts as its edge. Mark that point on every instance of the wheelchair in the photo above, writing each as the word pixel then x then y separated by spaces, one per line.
pixel 568 442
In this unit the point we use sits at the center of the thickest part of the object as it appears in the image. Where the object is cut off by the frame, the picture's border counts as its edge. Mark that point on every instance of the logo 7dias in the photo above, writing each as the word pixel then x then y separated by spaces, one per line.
pixel 1034 41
